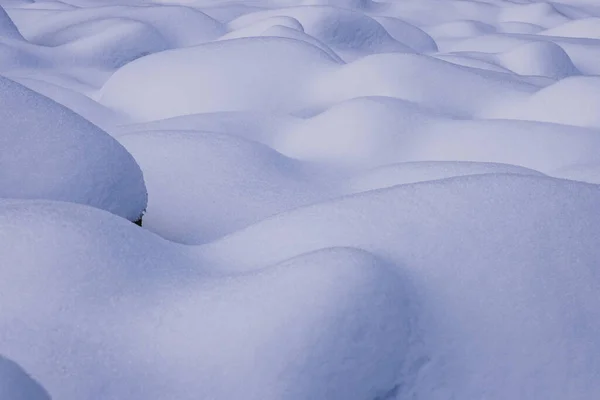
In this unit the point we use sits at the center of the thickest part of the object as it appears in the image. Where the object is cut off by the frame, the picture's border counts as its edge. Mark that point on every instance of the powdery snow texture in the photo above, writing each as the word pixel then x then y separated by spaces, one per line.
pixel 345 200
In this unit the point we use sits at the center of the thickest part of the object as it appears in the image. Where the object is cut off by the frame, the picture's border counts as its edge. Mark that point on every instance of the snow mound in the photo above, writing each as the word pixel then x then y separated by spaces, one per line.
pixel 343 199
pixel 16 384
pixel 42 4
pixel 484 315
pixel 348 4
pixel 518 27
pixel 460 29
pixel 111 42
pixel 334 322
pixel 280 26
pixel 540 146
pixel 290 33
pixel 75 101
pixel 204 185
pixel 433 12
pixel 255 126
pixel 408 34
pixel 539 58
pixel 349 33
pixel 491 43
pixel 572 101
pixel 412 172
pixel 588 28
pixel 331 324
pixel 473 60
pixel 442 86
pixel 583 53
pixel 227 12
pixel 362 132
pixel 180 26
pixel 49 152
pixel 268 73
pixel 543 14
pixel 257 28
pixel 580 172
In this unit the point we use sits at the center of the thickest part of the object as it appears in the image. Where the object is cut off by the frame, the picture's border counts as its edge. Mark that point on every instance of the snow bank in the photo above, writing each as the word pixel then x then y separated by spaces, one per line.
pixel 331 324
pixel 203 185
pixel 580 172
pixel 540 146
pixel 525 315
pixel 573 101
pixel 280 26
pixel 408 34
pixel 519 27
pixel 358 133
pixel 460 29
pixel 133 307
pixel 588 28
pixel 539 13
pixel 75 101
pixel 49 152
pixel 347 199
pixel 260 127
pixel 442 86
pixel 541 58
pixel 268 73
pixel 349 4
pixel 180 26
pixel 346 31
pixel 432 12
pixel 412 172
pixel 111 42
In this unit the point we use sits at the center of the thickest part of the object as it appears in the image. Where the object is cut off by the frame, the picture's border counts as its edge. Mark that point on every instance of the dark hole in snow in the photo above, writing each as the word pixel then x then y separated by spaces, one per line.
pixel 138 221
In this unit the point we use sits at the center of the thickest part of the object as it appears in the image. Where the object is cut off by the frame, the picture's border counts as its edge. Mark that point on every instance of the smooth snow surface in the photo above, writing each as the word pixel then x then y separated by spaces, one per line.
pixel 342 199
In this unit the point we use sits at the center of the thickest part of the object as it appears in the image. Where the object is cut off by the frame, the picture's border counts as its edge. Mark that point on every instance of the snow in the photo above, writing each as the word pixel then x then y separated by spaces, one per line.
pixel 15 384
pixel 443 86
pixel 412 172
pixel 574 101
pixel 180 26
pixel 86 165
pixel 341 199
pixel 197 177
pixel 231 71
pixel 539 13
pixel 7 27
pixel 140 307
pixel 541 59
pixel 346 31
pixel 485 315
pixel 588 28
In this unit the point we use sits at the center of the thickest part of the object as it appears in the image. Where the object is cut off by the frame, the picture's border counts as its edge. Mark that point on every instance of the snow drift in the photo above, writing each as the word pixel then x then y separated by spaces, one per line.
pixel 345 200
pixel 49 152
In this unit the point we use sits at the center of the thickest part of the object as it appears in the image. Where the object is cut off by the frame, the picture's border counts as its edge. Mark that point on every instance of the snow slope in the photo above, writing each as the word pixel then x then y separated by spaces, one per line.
pixel 137 307
pixel 342 199
pixel 49 152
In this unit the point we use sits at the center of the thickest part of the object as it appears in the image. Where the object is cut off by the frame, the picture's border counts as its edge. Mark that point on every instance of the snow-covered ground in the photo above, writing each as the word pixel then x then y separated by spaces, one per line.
pixel 341 200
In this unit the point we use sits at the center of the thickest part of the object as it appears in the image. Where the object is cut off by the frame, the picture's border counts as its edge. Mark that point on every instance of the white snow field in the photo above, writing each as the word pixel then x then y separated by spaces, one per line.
pixel 341 200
